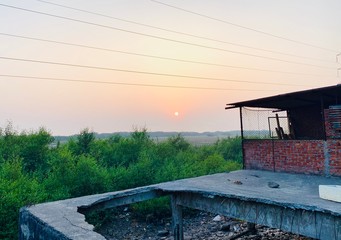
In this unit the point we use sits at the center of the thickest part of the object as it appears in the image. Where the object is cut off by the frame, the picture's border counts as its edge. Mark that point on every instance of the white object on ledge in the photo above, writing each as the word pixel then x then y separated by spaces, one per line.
pixel 330 192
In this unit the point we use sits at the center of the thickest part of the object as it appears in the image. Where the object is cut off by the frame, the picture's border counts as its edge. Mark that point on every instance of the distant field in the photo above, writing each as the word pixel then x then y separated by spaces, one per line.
pixel 195 138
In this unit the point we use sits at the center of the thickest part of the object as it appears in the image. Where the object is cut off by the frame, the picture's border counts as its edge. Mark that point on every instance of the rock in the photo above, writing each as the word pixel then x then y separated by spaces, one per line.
pixel 162 233
pixel 217 218
pixel 236 228
pixel 273 185
pixel 237 182
pixel 225 227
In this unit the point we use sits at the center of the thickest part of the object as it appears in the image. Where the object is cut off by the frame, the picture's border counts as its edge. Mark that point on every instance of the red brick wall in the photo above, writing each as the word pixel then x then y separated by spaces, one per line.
pixel 258 154
pixel 295 156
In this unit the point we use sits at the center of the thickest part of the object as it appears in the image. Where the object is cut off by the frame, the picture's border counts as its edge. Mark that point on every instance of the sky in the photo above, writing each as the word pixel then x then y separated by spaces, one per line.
pixel 164 65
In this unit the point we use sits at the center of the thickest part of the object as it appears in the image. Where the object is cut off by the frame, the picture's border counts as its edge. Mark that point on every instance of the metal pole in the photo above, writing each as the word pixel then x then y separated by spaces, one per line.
pixel 242 134
pixel 241 122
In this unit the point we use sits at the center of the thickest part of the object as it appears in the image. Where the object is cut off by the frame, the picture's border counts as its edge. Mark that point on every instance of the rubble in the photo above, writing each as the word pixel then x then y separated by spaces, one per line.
pixel 197 225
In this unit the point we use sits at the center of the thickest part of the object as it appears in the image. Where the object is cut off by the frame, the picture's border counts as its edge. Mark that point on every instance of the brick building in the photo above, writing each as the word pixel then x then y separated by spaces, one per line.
pixel 298 132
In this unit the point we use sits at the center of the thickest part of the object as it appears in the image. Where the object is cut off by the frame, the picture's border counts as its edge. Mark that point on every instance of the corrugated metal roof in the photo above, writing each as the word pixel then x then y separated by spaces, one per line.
pixel 329 95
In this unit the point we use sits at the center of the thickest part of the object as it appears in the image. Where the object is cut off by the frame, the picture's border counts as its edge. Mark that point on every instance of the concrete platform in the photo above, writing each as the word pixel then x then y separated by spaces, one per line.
pixel 293 206
pixel 296 191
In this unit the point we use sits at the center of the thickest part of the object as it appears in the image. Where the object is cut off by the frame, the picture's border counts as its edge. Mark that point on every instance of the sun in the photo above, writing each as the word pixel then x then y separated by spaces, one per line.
pixel 176 114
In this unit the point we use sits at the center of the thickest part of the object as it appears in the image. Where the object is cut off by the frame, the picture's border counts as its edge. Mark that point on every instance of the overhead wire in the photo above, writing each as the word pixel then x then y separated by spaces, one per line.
pixel 131 84
pixel 181 33
pixel 144 72
pixel 245 27
pixel 162 38
pixel 157 57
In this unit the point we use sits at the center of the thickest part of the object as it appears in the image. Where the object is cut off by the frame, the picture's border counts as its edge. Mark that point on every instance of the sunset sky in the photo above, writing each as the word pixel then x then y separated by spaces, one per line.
pixel 167 65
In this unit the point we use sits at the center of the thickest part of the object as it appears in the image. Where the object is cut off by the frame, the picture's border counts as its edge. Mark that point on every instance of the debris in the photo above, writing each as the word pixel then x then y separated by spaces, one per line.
pixel 237 182
pixel 236 228
pixel 225 227
pixel 163 233
pixel 273 185
pixel 228 226
pixel 198 225
pixel 217 218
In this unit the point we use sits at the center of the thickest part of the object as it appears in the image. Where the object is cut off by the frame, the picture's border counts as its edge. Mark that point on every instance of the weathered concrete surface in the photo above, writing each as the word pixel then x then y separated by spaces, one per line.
pixel 61 219
pixel 295 206
pixel 296 191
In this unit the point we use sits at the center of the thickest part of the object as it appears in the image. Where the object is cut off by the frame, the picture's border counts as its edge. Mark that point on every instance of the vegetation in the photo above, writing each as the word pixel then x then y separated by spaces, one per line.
pixel 33 170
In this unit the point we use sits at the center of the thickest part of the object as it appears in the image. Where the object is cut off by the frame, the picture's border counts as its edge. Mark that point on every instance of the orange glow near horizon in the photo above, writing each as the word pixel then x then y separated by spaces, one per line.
pixel 177 80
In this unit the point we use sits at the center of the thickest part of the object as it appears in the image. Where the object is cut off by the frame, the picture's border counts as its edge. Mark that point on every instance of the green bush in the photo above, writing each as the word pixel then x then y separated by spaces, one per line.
pixel 31 147
pixel 32 170
pixel 230 148
pixel 17 189
pixel 74 176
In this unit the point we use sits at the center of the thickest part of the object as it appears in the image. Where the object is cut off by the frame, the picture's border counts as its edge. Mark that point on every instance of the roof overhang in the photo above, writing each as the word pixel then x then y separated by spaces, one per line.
pixel 325 95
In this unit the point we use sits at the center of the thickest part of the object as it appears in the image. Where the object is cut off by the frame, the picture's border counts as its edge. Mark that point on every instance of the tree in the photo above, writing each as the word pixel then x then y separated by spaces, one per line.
pixel 84 142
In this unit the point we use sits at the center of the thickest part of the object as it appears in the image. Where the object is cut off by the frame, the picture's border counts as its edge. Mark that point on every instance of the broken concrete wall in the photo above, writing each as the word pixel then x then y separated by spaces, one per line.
pixel 62 219
pixel 31 227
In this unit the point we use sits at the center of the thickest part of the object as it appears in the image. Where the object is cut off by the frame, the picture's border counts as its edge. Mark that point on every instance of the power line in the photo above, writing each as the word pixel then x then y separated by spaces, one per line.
pixel 143 72
pixel 244 27
pixel 162 38
pixel 128 84
pixel 156 57
pixel 181 33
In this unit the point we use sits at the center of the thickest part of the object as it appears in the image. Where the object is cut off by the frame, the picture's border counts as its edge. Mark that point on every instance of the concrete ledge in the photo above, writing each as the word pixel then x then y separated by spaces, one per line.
pixel 62 219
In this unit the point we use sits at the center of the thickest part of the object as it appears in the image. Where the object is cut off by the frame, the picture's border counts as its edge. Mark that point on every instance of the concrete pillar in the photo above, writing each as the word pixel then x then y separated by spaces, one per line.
pixel 177 219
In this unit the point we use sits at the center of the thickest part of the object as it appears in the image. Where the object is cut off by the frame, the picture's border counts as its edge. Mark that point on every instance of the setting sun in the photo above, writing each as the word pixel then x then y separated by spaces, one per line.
pixel 176 114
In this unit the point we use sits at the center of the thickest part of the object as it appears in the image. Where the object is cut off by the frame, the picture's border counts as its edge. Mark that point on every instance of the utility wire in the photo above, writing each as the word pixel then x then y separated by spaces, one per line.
pixel 156 57
pixel 181 33
pixel 162 38
pixel 129 84
pixel 245 27
pixel 143 72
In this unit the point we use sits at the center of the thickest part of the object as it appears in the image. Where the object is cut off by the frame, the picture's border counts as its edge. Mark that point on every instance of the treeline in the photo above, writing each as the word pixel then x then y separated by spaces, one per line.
pixel 33 170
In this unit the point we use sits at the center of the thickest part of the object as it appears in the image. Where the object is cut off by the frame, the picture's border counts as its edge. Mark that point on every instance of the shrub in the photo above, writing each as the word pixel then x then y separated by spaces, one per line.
pixel 230 149
pixel 73 176
pixel 32 171
pixel 31 147
pixel 17 189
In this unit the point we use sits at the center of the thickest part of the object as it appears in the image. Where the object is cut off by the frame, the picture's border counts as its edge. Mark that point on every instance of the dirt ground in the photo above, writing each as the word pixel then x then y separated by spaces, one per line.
pixel 197 225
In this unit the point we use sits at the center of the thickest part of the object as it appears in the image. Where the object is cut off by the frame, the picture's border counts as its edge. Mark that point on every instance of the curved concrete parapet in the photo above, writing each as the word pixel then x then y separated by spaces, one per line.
pixel 62 219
